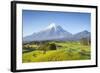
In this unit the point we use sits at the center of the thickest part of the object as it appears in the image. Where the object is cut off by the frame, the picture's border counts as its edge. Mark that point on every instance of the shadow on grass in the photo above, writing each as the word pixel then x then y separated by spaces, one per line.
pixel 28 50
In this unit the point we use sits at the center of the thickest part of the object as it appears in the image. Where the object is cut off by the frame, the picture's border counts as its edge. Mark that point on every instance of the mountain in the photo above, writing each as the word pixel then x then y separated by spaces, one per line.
pixel 52 32
pixel 56 32
pixel 80 35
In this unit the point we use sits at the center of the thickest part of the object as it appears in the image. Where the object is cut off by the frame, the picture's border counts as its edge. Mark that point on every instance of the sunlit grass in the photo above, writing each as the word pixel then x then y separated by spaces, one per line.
pixel 67 51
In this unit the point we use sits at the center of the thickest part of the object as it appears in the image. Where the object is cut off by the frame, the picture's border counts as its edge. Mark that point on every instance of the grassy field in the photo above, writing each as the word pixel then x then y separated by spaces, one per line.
pixel 64 51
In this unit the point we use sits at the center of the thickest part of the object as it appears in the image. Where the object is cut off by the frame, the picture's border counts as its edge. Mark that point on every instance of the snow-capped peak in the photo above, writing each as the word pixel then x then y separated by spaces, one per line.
pixel 52 25
pixel 51 32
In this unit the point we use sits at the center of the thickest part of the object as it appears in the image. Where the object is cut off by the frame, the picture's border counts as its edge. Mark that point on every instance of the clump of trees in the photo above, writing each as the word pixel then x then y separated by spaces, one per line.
pixel 52 46
pixel 85 41
pixel 47 46
pixel 43 47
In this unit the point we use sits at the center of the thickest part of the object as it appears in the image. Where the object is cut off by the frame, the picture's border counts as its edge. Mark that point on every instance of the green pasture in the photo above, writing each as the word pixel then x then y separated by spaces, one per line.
pixel 64 51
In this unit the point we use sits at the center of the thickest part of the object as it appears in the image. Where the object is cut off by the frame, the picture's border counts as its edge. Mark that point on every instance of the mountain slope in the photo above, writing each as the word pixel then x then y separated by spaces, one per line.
pixel 52 32
pixel 80 35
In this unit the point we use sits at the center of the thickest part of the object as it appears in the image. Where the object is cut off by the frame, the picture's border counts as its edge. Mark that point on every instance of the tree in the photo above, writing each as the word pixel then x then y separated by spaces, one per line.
pixel 85 41
pixel 52 46
pixel 44 47
pixel 47 46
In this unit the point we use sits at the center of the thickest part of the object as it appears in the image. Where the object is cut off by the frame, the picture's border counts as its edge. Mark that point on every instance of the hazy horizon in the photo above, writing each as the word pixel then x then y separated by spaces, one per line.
pixel 73 22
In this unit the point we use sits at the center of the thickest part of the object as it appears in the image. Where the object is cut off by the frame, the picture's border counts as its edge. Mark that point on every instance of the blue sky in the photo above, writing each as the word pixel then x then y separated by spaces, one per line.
pixel 72 22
